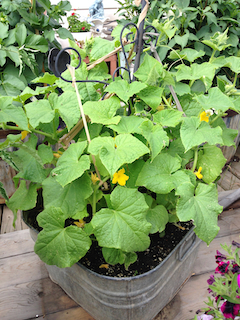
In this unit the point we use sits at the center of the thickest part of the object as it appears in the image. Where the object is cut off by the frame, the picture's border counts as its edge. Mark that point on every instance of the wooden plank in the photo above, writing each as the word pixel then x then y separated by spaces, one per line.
pixel 7 221
pixel 15 243
pixel 234 168
pixel 190 299
pixel 20 269
pixel 35 298
pixel 230 198
pixel 6 175
pixel 229 223
pixel 223 194
pixel 70 314
pixel 228 181
pixel 220 189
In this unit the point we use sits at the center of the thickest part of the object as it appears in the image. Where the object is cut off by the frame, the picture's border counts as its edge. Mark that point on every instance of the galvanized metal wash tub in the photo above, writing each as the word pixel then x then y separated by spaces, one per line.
pixel 134 298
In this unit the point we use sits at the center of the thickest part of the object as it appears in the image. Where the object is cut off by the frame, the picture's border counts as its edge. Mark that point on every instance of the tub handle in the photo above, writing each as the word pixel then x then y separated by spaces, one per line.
pixel 182 253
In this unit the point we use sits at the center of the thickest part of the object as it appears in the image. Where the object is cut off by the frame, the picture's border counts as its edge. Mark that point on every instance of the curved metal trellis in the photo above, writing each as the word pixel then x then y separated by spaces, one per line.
pixel 59 59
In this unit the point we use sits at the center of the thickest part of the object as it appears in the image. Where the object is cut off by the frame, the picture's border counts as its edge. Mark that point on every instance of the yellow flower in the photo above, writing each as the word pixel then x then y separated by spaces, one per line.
pixel 204 116
pixel 104 265
pixel 198 173
pixel 80 223
pixel 94 178
pixel 56 155
pixel 24 134
pixel 120 177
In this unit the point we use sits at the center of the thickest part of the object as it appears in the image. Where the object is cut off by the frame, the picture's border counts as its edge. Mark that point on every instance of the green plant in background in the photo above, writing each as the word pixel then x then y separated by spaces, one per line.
pixel 76 25
pixel 186 24
pixel 122 177
pixel 128 11
pixel 27 32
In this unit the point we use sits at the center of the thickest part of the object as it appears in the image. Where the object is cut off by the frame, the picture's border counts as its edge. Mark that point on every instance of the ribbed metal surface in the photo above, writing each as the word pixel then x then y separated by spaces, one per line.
pixel 138 297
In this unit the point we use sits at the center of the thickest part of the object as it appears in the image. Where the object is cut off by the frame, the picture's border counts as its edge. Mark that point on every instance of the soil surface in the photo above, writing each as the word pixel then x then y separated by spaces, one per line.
pixel 147 260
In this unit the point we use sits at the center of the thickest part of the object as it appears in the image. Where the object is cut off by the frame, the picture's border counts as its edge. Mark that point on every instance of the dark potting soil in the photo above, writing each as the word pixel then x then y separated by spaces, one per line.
pixel 147 260
pixel 159 249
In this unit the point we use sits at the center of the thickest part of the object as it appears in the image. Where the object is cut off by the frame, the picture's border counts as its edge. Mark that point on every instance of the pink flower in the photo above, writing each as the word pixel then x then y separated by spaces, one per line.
pixel 238 280
pixel 83 28
pixel 205 317
pixel 230 310
pixel 222 267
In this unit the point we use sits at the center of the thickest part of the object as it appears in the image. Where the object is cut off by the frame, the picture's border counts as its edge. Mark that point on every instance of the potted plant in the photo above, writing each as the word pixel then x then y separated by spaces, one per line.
pixel 224 286
pixel 120 161
pixel 79 28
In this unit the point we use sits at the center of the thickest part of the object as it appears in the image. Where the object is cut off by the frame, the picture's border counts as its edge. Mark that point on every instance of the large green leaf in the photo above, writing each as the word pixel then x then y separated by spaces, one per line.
pixel 201 206
pixel 11 113
pixel 23 199
pixel 169 118
pixel 233 63
pixel 155 135
pixel 37 42
pixel 3 55
pixel 71 198
pixel 125 90
pixel 186 54
pixel 14 54
pixel 212 161
pixel 158 217
pixel 10 141
pixel 72 164
pixel 29 161
pixel 182 40
pixel 57 245
pixel 115 152
pixel 20 33
pixel 228 135
pixel 152 96
pixel 45 152
pixel 124 226
pixel 68 108
pixel 193 133
pixel 163 174
pixel 39 111
pixel 46 78
pixel 11 84
pixel 128 124
pixel 3 192
pixel 3 30
pixel 215 99
pixel 103 111
pixel 176 148
pixel 204 71
pixel 154 71
pixel 100 48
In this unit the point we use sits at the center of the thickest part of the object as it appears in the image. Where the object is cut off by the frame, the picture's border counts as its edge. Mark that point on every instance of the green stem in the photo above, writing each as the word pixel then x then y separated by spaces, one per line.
pixel 94 204
pixel 125 110
pixel 130 105
pixel 166 102
pixel 235 79
pixel 218 116
pixel 32 130
pixel 195 159
pixel 103 181
pixel 212 56
pixel 191 83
